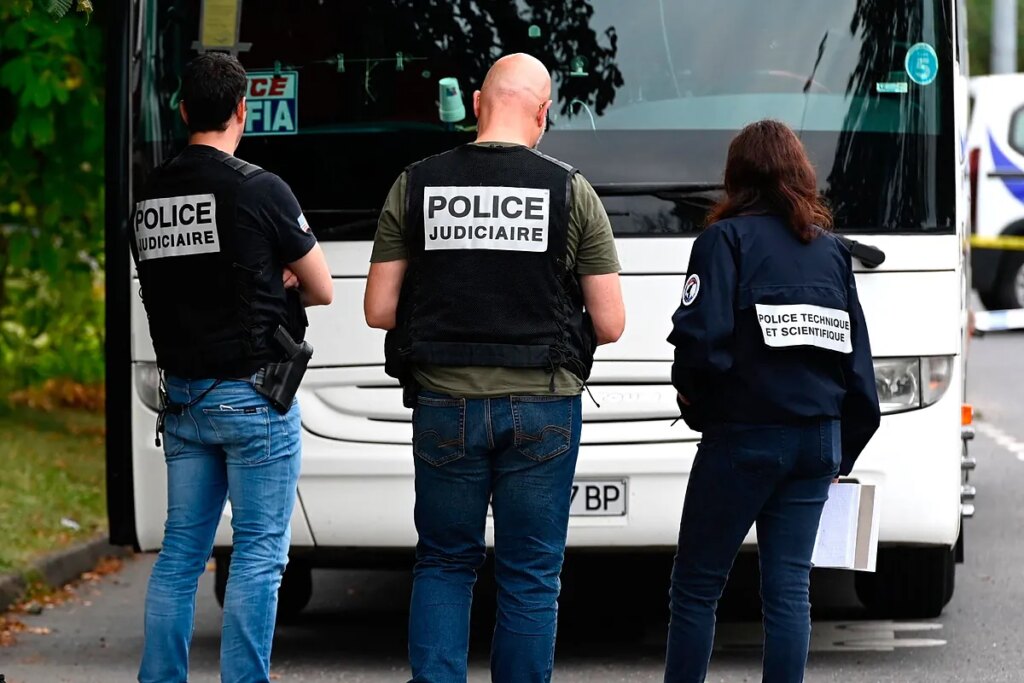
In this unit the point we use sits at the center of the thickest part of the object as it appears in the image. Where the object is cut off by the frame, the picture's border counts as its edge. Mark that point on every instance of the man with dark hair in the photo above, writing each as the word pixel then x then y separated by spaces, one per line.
pixel 214 83
pixel 226 263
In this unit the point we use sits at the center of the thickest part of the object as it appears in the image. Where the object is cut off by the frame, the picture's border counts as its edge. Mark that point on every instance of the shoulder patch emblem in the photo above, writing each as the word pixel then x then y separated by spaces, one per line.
pixel 691 289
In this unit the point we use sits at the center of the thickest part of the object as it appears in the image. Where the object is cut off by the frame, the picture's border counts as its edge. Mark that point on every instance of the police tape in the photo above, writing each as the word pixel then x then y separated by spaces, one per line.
pixel 1011 242
pixel 998 321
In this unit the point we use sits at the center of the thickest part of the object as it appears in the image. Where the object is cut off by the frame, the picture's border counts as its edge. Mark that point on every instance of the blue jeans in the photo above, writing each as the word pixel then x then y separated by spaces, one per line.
pixel 232 446
pixel 777 477
pixel 517 453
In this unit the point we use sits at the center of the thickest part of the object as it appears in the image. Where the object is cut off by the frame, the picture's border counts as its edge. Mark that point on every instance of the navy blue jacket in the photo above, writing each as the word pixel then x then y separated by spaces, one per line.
pixel 770 331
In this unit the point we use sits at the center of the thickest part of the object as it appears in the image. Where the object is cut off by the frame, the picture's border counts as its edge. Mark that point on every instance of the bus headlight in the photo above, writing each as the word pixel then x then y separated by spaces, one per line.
pixel 936 372
pixel 147 384
pixel 910 383
pixel 898 382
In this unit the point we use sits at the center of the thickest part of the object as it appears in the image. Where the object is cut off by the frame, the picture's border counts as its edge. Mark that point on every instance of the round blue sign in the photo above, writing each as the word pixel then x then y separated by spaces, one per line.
pixel 922 64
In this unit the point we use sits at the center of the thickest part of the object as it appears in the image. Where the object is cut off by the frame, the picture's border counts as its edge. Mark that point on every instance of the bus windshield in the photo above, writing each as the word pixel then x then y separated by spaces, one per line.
pixel 344 95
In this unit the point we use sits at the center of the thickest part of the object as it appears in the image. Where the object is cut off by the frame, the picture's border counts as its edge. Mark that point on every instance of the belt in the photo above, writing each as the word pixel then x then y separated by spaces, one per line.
pixel 169 407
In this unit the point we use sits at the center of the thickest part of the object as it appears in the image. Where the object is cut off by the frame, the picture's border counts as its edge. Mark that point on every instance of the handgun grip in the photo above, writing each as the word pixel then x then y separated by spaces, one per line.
pixel 285 341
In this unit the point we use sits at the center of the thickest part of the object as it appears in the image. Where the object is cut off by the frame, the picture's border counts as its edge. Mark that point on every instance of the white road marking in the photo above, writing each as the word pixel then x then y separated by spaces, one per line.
pixel 1002 439
pixel 831 636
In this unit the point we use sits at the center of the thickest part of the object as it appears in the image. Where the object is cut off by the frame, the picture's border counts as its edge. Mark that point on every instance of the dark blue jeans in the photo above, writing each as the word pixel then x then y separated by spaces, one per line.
pixel 774 476
pixel 518 454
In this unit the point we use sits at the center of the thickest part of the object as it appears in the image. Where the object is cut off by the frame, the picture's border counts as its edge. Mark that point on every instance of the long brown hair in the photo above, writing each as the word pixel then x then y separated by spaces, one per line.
pixel 768 171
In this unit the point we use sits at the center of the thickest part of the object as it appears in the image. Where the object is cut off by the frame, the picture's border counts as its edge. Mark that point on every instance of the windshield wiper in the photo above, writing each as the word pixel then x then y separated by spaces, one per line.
pixel 344 224
pixel 870 256
pixel 661 190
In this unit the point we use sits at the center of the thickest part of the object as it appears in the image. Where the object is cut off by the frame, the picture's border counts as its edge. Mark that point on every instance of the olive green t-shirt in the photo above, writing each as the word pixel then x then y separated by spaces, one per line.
pixel 591 247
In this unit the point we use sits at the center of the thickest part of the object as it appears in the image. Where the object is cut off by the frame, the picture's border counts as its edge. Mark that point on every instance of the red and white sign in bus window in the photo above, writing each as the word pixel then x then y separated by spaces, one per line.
pixel 273 103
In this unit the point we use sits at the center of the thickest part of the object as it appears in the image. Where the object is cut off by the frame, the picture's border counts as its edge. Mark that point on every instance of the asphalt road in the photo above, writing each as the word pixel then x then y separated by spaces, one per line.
pixel 355 629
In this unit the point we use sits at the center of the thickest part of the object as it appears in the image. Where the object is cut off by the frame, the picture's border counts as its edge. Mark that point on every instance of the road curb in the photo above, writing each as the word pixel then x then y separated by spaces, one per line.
pixel 60 567
pixel 12 587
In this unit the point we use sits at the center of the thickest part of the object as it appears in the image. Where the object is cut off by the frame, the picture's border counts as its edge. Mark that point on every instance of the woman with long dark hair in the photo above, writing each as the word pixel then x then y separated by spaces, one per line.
pixel 773 366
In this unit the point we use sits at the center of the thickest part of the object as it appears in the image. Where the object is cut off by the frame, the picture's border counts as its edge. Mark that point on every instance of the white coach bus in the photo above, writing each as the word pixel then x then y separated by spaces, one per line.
pixel 647 95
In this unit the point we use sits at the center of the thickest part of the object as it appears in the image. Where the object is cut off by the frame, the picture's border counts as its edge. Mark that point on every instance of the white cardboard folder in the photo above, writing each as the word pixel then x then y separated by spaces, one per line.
pixel 848 532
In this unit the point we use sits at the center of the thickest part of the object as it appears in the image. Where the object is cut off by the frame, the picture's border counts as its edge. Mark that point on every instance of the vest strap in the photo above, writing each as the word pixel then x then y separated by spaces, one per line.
pixel 243 167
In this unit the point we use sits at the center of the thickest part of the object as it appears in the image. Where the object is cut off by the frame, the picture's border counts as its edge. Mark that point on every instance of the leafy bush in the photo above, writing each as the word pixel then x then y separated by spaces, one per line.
pixel 51 197
pixel 55 328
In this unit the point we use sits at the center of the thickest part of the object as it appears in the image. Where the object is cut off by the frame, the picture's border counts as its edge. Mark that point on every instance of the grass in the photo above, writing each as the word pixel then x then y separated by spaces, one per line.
pixel 51 468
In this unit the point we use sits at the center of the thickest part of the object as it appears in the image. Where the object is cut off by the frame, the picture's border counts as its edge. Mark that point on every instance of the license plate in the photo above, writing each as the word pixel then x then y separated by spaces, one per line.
pixel 598 498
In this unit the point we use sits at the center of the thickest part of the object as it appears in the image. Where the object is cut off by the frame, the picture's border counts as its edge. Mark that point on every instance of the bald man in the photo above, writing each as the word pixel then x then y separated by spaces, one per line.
pixel 495 273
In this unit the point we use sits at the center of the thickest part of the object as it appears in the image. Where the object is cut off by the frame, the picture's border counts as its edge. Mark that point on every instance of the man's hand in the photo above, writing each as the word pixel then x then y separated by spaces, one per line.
pixel 291 280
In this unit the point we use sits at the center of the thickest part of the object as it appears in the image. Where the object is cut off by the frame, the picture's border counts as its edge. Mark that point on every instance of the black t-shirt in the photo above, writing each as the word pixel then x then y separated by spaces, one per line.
pixel 272 232
pixel 270 223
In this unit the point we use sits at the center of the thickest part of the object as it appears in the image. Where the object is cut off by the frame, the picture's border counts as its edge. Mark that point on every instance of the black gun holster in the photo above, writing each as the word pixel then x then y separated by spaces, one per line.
pixel 278 382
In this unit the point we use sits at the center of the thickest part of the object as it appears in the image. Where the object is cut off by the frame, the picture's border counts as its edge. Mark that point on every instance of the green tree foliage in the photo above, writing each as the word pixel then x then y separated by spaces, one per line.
pixel 979 27
pixel 58 8
pixel 51 196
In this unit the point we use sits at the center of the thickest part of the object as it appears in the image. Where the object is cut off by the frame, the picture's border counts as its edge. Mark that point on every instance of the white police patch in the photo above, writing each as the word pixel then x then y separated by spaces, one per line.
pixel 502 218
pixel 805 325
pixel 691 289
pixel 176 226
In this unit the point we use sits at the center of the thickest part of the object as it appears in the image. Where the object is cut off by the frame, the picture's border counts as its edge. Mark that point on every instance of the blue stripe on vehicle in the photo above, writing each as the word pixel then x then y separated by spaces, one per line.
pixel 1003 164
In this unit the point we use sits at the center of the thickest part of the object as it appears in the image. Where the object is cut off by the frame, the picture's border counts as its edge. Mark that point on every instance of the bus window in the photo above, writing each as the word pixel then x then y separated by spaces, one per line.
pixel 645 92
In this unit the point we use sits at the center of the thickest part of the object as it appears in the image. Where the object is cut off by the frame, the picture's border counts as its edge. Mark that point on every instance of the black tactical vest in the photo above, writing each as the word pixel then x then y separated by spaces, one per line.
pixel 488 282
pixel 198 297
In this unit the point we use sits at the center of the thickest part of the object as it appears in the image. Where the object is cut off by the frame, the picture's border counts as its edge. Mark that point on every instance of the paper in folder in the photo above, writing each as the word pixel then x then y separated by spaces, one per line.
pixel 848 533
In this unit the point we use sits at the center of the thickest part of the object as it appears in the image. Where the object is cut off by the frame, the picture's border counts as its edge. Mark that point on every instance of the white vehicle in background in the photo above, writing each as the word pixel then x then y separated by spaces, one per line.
pixel 647 97
pixel 996 151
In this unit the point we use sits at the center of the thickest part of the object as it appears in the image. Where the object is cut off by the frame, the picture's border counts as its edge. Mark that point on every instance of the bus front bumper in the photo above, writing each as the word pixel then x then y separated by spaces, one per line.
pixel 356 495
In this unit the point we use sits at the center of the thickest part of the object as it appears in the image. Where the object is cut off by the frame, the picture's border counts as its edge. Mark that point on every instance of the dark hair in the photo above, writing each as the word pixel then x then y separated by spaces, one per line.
pixel 768 172
pixel 213 85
